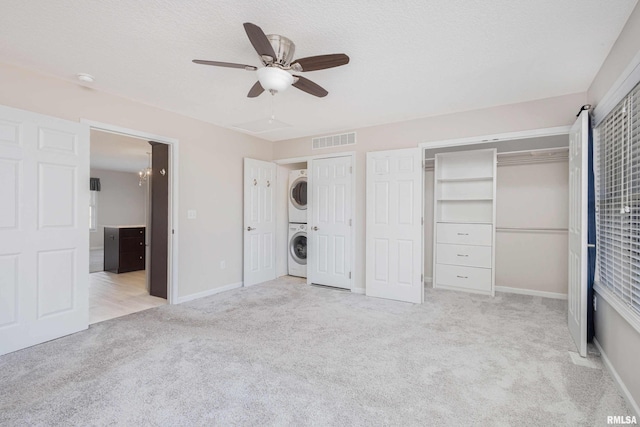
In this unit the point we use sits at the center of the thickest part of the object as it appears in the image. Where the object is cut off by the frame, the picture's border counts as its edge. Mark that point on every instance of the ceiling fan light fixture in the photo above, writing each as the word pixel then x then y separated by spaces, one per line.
pixel 274 79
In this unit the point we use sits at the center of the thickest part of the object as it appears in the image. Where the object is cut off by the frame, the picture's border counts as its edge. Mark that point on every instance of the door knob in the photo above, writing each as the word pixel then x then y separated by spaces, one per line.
pixel 250 228
pixel 314 228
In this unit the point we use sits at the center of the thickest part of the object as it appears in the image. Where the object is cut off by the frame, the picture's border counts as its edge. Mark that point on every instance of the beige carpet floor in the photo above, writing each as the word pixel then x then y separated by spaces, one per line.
pixel 284 353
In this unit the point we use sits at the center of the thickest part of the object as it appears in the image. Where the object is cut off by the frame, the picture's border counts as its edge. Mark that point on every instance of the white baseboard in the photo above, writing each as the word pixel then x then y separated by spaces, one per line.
pixel 623 389
pixel 428 280
pixel 96 248
pixel 209 292
pixel 358 290
pixel 531 292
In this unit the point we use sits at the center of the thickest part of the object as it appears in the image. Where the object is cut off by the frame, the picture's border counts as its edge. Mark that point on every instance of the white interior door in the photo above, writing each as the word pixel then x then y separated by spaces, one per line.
pixel 578 199
pixel 329 232
pixel 259 221
pixel 44 228
pixel 394 225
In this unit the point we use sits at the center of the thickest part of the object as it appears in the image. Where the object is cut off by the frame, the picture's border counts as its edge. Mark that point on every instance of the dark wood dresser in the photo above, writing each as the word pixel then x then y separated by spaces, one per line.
pixel 124 248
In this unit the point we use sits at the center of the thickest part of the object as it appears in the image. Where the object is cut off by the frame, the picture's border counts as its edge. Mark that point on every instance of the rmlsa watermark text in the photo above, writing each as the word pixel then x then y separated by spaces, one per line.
pixel 622 419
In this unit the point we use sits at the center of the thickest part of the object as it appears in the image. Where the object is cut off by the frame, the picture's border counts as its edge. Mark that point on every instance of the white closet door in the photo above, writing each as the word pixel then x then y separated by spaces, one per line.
pixel 578 226
pixel 394 225
pixel 259 221
pixel 329 233
pixel 44 228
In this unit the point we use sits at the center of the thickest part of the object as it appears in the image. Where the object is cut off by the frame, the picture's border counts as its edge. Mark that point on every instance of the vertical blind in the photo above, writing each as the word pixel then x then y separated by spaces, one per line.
pixel 617 174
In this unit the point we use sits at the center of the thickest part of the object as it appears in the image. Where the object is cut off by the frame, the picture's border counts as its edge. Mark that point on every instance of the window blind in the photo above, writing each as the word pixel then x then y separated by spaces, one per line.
pixel 617 161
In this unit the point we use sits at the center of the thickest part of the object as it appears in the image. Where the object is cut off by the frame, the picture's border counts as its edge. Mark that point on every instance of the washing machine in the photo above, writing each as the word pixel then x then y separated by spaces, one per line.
pixel 298 196
pixel 298 250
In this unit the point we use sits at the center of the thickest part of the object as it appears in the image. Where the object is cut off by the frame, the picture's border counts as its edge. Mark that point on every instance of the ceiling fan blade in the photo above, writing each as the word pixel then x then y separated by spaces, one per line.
pixel 259 40
pixel 321 62
pixel 308 86
pixel 225 64
pixel 255 90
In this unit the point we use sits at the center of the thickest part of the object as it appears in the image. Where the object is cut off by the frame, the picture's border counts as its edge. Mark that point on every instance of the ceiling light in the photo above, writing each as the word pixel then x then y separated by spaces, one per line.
pixel 84 77
pixel 274 79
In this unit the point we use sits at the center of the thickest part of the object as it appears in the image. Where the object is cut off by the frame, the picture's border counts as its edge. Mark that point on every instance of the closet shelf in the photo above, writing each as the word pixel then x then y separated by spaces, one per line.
pixel 467 179
pixel 465 199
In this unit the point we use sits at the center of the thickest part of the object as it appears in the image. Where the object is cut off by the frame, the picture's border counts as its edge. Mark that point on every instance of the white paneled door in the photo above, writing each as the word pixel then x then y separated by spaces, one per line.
pixel 259 221
pixel 394 225
pixel 330 221
pixel 578 227
pixel 44 228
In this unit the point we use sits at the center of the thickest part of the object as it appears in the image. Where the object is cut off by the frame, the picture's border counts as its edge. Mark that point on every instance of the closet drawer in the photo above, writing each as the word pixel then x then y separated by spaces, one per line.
pixel 471 256
pixel 471 278
pixel 464 234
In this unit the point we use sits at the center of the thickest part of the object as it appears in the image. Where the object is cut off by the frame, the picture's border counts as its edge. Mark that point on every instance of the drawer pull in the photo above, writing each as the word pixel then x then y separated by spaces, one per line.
pixel 140 231
pixel 463 234
pixel 140 243
pixel 462 277
pixel 140 257
pixel 463 255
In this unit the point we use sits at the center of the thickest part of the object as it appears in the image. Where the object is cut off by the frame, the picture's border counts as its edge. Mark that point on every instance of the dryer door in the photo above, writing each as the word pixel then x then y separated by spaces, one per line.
pixel 298 193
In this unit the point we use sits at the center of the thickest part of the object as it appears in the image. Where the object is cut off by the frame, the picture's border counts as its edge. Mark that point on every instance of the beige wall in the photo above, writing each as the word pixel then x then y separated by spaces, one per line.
pixel 621 344
pixel 623 51
pixel 619 341
pixel 210 167
pixel 121 201
pixel 551 112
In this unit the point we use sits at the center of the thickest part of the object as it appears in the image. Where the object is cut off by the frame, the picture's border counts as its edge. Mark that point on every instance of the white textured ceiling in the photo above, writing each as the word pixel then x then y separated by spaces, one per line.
pixel 409 58
pixel 114 152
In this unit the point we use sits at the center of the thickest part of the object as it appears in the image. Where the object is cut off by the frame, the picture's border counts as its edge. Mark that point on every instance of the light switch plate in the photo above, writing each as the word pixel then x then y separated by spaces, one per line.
pixel 191 214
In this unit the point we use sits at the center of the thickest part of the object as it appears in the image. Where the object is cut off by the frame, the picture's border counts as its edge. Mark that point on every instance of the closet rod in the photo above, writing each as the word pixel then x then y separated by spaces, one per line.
pixel 533 229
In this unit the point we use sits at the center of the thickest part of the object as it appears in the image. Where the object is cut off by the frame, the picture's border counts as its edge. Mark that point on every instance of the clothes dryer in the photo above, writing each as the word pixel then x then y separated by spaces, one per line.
pixel 298 196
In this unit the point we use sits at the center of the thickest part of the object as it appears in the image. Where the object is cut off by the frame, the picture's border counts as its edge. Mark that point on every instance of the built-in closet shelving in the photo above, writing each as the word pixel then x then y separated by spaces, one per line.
pixel 464 213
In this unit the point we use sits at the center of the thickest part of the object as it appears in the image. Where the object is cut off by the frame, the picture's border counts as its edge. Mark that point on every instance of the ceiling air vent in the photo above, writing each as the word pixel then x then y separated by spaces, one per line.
pixel 333 141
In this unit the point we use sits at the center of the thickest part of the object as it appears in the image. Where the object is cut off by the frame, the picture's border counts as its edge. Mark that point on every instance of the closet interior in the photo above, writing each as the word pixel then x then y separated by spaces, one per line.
pixel 496 216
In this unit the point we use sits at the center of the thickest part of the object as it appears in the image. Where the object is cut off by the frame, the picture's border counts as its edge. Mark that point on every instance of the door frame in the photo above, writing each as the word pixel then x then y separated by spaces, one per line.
pixel 354 225
pixel 172 274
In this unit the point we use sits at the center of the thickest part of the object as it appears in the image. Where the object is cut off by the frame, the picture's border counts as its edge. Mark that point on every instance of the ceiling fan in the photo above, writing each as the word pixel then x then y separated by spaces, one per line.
pixel 276 53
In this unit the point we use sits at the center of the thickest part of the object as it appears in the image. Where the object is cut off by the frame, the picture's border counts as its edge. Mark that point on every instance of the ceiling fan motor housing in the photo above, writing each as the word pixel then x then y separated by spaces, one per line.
pixel 284 49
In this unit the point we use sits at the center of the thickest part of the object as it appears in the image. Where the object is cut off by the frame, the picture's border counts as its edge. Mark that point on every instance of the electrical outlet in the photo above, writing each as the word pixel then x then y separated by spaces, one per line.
pixel 223 264
pixel 191 214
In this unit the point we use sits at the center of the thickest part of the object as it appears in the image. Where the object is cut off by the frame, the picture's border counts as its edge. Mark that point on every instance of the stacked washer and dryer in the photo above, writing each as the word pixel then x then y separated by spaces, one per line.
pixel 298 223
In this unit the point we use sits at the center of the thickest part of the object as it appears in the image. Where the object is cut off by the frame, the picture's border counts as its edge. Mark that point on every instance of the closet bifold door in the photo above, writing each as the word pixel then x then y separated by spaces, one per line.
pixel 464 221
pixel 394 259
pixel 578 228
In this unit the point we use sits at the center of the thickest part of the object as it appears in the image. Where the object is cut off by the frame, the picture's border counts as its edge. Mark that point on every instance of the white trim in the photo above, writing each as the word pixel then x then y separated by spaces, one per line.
pixel 532 133
pixel 632 318
pixel 172 284
pixel 360 291
pixel 208 292
pixel 95 248
pixel 317 156
pixel 105 127
pixel 621 387
pixel 532 292
pixel 622 86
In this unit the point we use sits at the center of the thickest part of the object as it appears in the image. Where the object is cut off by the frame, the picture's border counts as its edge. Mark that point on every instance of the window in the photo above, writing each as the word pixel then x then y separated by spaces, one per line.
pixel 93 211
pixel 617 174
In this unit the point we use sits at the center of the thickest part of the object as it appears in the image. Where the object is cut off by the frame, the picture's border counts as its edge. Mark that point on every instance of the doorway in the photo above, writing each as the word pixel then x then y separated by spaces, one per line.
pixel 154 174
